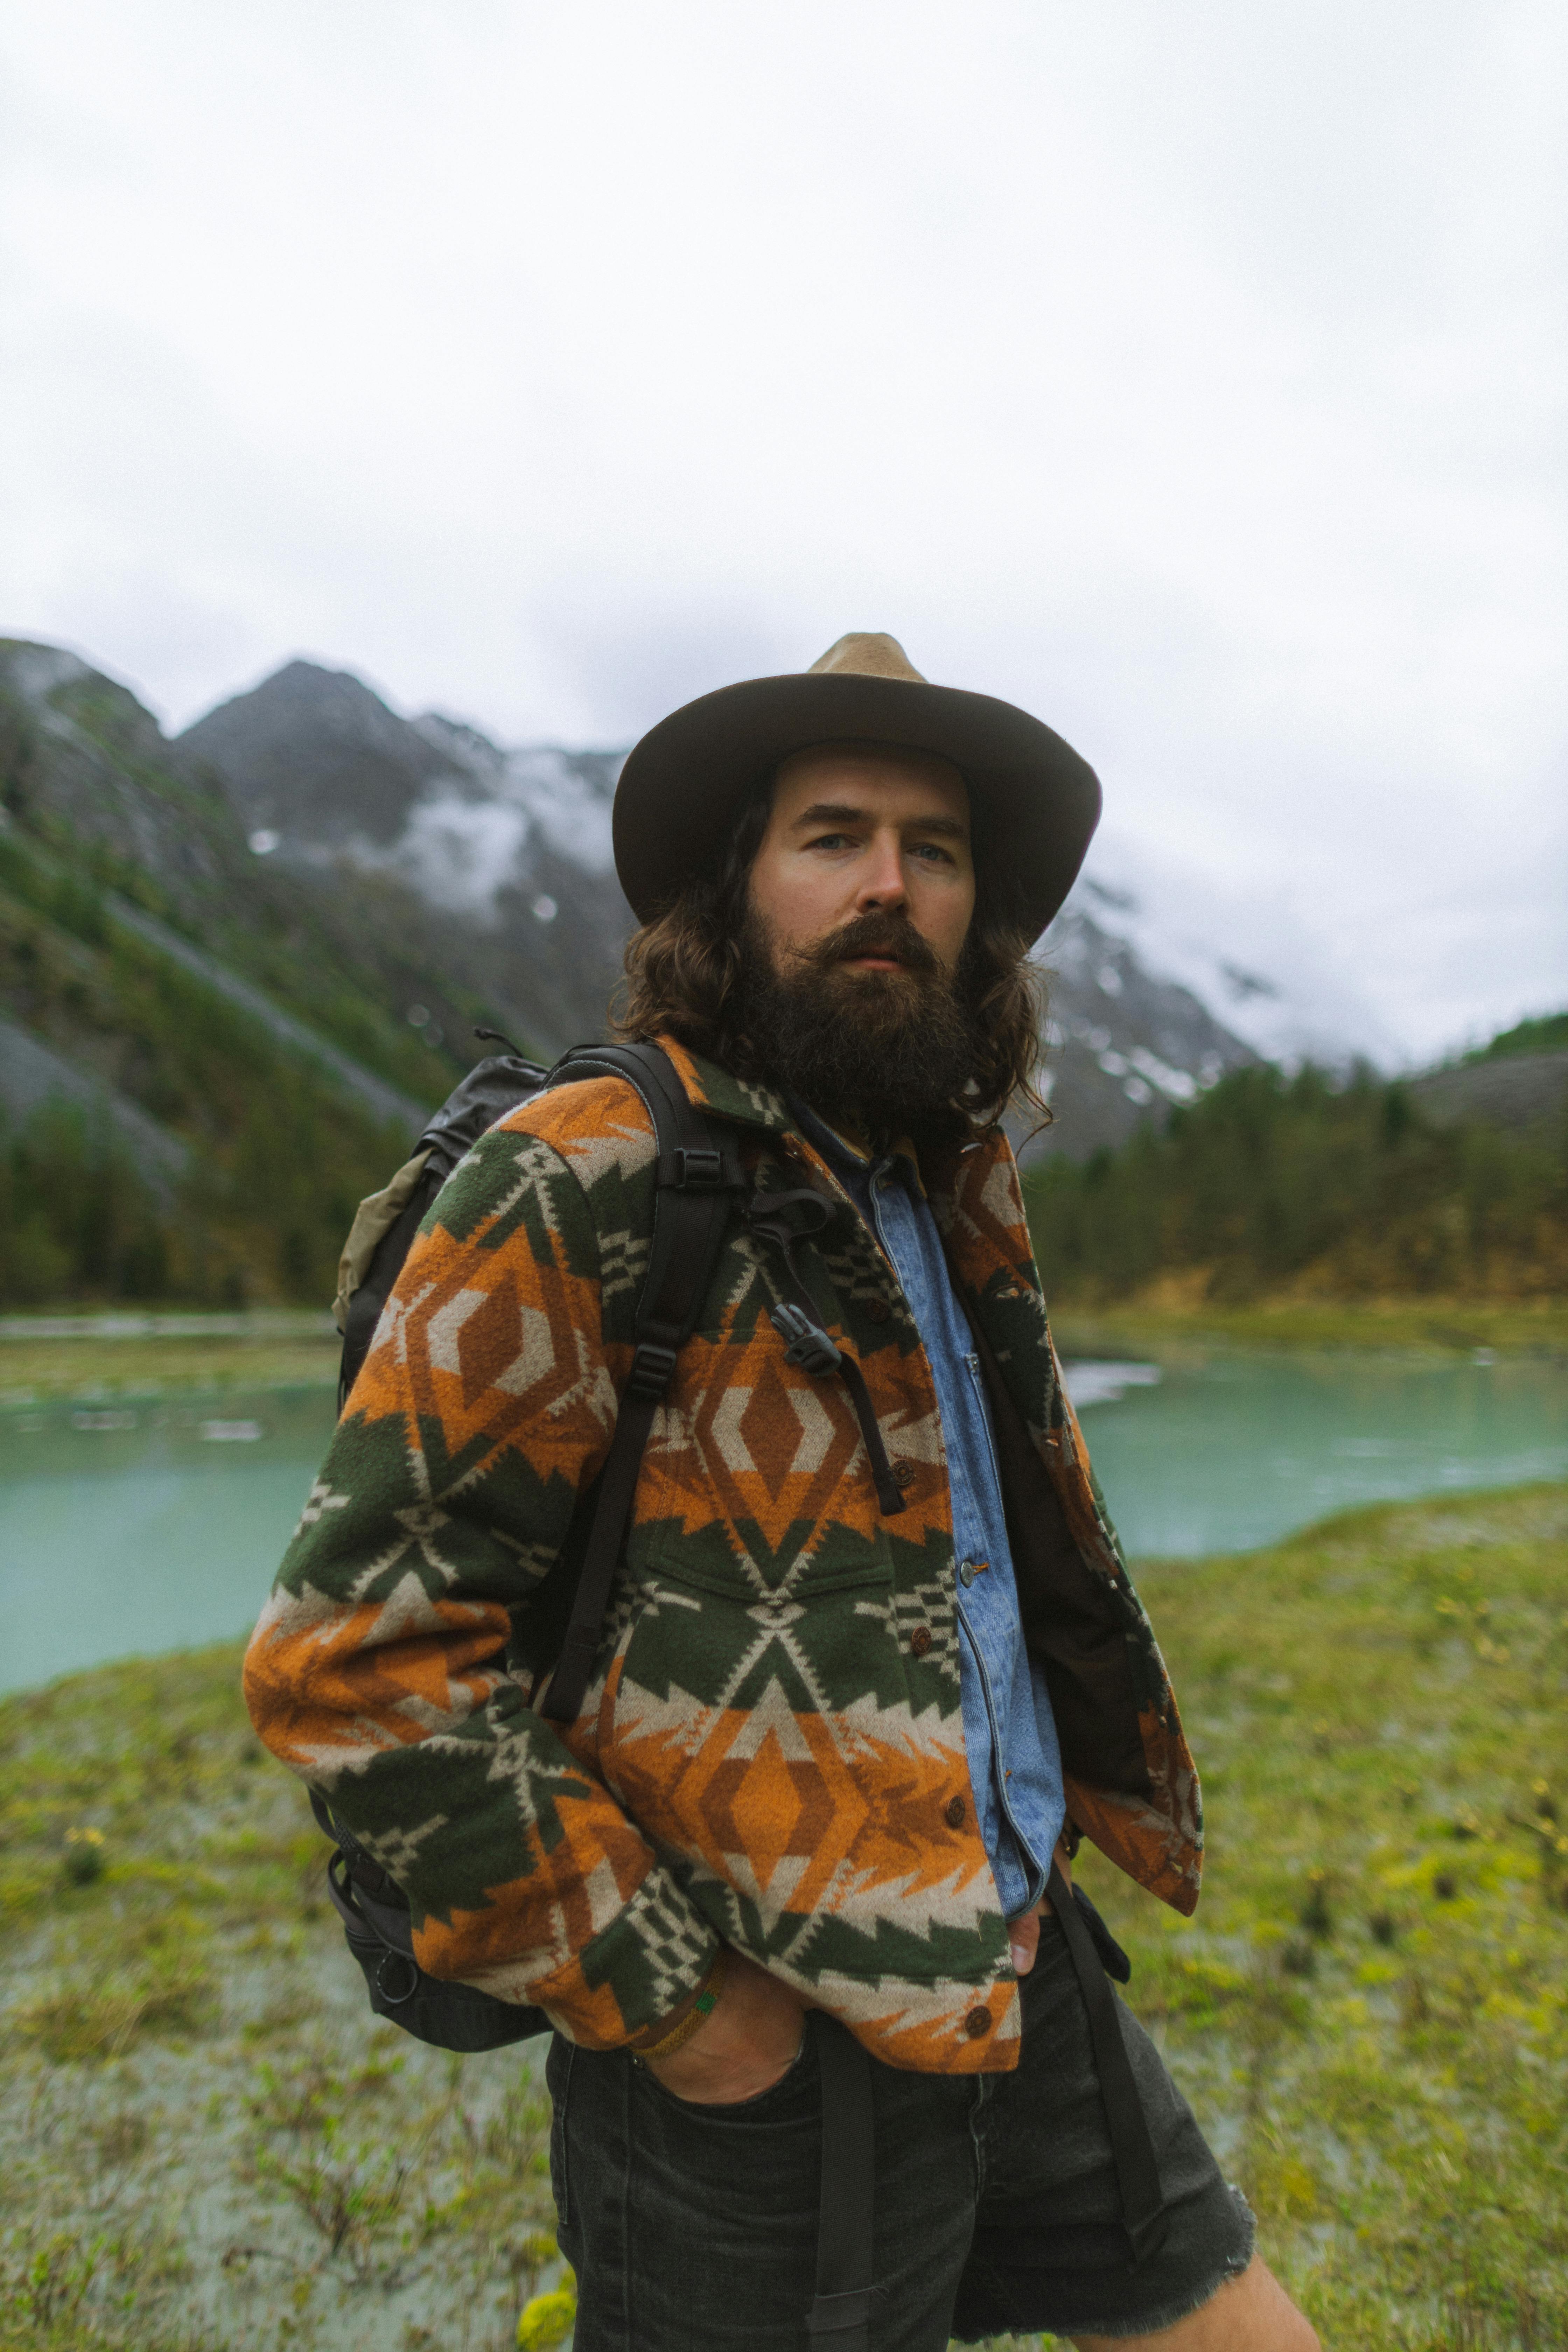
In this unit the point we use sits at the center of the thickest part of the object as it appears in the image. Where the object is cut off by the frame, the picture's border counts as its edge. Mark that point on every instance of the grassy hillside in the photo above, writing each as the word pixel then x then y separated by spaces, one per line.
pixel 210 2147
pixel 1272 1187
pixel 1544 1033
pixel 94 812
pixel 95 801
pixel 278 1153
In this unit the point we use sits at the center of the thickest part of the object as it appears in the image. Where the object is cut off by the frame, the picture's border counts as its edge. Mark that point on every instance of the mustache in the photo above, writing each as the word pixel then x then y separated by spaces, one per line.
pixel 871 935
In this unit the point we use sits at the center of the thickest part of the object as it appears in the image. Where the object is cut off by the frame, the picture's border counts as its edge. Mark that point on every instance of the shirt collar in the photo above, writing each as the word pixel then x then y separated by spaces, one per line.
pixel 835 1147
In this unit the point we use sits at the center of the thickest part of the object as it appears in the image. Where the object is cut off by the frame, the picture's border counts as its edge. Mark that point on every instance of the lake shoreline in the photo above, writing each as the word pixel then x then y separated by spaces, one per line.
pixel 89 1354
pixel 85 1354
pixel 1397 1326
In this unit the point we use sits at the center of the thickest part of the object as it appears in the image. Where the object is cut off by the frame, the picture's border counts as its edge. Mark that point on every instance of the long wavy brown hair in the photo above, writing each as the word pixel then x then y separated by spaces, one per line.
pixel 683 974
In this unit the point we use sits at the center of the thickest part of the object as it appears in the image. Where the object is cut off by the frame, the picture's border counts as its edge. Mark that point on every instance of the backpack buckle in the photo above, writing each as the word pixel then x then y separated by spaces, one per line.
pixel 651 1369
pixel 697 1171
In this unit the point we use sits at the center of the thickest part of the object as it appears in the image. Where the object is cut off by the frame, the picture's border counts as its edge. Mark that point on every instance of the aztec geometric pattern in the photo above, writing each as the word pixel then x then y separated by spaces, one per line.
pixel 770 1752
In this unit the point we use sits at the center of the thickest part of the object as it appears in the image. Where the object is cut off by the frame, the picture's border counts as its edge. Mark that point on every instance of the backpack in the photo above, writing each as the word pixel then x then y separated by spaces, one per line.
pixel 697 1172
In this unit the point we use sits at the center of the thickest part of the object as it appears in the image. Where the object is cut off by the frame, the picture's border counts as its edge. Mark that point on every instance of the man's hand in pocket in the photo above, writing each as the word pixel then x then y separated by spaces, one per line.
pixel 749 2041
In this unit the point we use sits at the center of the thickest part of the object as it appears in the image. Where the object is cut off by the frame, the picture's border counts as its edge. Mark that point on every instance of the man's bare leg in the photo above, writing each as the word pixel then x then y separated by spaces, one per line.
pixel 1249 2313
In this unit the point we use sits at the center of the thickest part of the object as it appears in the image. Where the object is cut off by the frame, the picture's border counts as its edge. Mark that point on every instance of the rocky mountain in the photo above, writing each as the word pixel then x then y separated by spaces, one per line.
pixel 254 957
pixel 170 1007
pixel 517 843
pixel 1524 1093
pixel 506 853
pixel 379 884
pixel 1124 1044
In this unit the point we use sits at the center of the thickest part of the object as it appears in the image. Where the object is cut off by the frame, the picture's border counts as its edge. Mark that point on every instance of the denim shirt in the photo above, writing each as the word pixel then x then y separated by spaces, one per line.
pixel 1009 1730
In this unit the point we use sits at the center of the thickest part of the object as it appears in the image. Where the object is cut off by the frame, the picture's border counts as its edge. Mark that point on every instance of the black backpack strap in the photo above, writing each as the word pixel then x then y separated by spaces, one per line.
pixel 1143 2212
pixel 839 2318
pixel 699 1171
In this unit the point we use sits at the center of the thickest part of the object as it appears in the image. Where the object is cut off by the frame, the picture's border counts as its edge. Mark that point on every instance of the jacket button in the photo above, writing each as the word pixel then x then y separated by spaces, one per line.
pixel 919 1640
pixel 876 1310
pixel 977 2022
pixel 952 1813
pixel 903 1473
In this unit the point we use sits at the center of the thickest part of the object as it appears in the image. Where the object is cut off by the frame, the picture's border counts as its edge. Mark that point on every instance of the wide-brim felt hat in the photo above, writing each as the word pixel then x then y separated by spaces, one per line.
pixel 1034 801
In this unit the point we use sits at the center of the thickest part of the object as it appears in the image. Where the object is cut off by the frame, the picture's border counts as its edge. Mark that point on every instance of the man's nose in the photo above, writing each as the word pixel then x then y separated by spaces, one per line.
pixel 882 887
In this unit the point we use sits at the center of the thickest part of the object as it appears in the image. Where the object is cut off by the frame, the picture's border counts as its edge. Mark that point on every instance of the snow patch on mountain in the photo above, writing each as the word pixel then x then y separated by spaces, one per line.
pixel 1247 957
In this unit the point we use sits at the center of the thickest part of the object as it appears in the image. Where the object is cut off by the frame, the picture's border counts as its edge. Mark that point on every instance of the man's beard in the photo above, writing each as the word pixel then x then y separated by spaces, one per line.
pixel 887 1051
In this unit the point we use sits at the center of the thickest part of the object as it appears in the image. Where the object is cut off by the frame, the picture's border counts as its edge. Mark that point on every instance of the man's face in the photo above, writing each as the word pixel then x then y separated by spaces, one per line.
pixel 856 831
pixel 858 905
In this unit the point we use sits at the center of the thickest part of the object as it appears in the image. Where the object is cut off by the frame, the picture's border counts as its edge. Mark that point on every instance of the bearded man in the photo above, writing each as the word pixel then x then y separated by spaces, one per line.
pixel 794 1884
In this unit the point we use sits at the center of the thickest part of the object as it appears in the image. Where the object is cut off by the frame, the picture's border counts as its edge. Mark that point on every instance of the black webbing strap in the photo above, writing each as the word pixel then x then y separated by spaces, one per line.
pixel 696 1174
pixel 562 1701
pixel 1132 2149
pixel 840 2314
pixel 789 1218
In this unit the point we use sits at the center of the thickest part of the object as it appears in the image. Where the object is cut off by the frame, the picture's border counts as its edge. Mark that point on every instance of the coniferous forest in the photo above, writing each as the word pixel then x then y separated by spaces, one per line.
pixel 1344 1188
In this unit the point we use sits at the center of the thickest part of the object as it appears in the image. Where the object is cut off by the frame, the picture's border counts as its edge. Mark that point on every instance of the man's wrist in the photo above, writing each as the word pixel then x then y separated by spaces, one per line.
pixel 671 2032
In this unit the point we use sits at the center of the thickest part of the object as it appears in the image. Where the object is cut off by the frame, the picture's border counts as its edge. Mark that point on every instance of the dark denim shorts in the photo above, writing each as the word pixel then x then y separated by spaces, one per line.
pixel 693 2229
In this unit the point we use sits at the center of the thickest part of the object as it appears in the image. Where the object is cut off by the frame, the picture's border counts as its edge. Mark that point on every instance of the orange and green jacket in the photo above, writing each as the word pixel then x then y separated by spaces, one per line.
pixel 770 1752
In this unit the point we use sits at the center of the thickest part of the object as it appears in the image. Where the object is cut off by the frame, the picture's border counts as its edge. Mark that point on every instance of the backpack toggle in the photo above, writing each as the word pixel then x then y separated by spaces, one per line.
pixel 809 1345
pixel 788 1219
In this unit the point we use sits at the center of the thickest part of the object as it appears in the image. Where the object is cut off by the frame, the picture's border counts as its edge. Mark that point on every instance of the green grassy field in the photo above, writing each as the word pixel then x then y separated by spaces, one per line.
pixel 288 1348
pixel 208 2147
pixel 1156 1324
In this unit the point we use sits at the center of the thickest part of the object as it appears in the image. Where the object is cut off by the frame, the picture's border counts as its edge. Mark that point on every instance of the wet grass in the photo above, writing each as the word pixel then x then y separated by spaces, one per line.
pixel 1370 2011
pixel 285 1350
pixel 1175 1316
pixel 208 2145
pixel 208 2141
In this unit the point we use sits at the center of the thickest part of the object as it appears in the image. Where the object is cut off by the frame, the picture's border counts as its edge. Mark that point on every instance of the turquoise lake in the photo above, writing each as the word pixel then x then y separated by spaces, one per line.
pixel 153 1524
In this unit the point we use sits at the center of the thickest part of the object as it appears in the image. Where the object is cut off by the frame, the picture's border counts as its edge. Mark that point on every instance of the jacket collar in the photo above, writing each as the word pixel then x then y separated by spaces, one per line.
pixel 709 1086
pixel 713 1089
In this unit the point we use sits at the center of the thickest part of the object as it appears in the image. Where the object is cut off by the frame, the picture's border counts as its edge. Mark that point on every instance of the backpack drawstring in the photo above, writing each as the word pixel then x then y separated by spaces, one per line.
pixel 807 1345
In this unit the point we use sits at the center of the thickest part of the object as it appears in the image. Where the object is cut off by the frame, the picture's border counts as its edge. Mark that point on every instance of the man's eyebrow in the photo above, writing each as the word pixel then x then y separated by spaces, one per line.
pixel 842 813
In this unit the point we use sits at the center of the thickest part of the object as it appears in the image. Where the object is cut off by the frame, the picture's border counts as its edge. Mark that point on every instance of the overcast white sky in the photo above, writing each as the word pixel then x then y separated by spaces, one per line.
pixel 1195 375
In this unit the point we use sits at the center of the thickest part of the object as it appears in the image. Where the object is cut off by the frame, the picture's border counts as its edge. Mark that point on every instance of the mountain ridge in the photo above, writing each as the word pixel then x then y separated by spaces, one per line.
pixel 521 836
pixel 248 960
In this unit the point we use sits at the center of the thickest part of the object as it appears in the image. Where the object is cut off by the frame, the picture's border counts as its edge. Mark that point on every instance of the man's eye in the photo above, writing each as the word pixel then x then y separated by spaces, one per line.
pixel 831 841
pixel 933 849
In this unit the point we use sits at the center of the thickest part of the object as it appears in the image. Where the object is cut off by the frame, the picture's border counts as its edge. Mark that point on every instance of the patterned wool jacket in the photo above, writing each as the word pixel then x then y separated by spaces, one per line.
pixel 771 1751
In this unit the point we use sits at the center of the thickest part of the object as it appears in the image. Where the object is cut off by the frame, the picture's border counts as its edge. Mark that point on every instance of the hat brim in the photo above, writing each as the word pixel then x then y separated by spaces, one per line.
pixel 1034 803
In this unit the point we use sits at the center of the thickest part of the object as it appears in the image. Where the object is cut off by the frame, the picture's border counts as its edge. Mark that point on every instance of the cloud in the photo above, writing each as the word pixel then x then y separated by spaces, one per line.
pixel 1194 377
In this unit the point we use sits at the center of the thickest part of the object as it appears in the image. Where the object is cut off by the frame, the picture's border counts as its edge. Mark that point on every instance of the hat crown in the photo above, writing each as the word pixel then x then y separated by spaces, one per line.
pixel 868 653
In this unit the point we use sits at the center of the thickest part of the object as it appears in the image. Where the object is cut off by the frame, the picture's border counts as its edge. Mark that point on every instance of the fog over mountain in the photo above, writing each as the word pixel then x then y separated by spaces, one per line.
pixel 1146 1008
pixel 370 887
